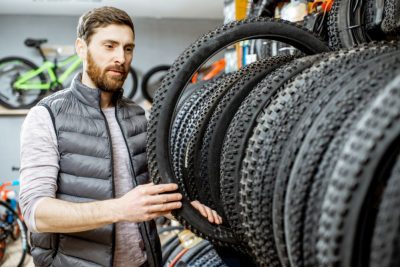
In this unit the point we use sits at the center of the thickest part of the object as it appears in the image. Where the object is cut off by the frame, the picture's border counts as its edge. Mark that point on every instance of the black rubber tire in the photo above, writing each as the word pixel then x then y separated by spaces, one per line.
pixel 341 221
pixel 176 80
pixel 301 166
pixel 391 19
pixel 209 259
pixel 178 249
pixel 234 178
pixel 193 251
pixel 371 15
pixel 146 78
pixel 29 66
pixel 209 179
pixel 326 139
pixel 340 32
pixel 386 237
pixel 201 254
pixel 130 92
pixel 195 116
pixel 261 164
pixel 169 247
pixel 181 132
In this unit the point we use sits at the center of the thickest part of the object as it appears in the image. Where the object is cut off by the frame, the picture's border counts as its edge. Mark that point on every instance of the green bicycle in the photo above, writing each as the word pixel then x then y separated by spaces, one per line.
pixel 23 84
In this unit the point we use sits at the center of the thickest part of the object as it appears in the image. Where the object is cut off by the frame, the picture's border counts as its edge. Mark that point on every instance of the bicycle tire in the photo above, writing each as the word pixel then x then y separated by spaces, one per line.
pixel 146 78
pixel 29 65
pixel 24 236
pixel 208 182
pixel 185 125
pixel 386 237
pixel 193 251
pixel 177 78
pixel 233 151
pixel 210 259
pixel 303 156
pixel 341 32
pixel 355 170
pixel 16 231
pixel 324 172
pixel 131 91
pixel 391 20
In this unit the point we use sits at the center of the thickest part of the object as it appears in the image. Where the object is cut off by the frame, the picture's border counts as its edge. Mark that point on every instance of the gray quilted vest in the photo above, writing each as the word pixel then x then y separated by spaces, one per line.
pixel 86 174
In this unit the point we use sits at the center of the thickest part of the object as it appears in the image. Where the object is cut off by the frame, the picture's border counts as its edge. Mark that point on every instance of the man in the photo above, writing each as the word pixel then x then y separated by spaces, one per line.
pixel 84 193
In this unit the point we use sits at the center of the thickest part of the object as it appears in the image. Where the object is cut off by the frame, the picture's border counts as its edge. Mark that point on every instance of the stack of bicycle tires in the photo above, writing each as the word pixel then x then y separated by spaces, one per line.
pixel 299 154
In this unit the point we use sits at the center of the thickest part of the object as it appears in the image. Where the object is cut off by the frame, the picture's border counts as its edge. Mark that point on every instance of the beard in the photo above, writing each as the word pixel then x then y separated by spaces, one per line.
pixel 103 79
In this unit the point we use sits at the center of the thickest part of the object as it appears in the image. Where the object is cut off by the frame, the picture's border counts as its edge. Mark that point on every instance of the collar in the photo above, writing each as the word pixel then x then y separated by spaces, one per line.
pixel 87 95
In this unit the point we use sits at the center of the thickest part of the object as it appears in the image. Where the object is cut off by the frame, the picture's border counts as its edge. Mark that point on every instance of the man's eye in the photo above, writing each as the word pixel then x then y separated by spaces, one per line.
pixel 109 46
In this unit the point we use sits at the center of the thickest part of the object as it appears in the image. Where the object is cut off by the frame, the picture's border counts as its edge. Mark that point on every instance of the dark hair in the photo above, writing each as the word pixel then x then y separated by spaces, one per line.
pixel 101 17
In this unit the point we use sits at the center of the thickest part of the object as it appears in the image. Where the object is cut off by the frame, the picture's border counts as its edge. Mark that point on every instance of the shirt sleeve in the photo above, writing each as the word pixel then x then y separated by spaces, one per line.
pixel 39 162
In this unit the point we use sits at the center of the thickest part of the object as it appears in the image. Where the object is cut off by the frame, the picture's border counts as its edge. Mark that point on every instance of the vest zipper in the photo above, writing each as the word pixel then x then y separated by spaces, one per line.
pixel 135 181
pixel 112 180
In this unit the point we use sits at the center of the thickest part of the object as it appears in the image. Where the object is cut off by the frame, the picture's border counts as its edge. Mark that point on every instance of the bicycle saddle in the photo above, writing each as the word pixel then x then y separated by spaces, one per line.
pixel 34 42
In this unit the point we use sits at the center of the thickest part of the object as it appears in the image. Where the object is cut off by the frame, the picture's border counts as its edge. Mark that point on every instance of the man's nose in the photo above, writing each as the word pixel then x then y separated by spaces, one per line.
pixel 119 56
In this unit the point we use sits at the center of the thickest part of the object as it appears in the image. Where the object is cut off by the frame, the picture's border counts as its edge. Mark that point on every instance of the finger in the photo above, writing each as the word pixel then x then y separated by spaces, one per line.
pixel 209 215
pixel 164 198
pixel 196 204
pixel 160 188
pixel 166 207
pixel 217 218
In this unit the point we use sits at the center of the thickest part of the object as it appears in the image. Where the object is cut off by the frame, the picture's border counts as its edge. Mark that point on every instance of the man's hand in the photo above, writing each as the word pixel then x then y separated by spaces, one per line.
pixel 146 202
pixel 207 212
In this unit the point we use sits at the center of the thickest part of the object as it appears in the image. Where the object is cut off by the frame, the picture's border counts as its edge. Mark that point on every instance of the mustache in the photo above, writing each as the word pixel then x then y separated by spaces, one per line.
pixel 117 68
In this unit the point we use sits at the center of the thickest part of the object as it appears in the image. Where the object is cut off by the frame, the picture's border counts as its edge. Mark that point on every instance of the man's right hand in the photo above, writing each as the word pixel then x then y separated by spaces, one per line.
pixel 147 202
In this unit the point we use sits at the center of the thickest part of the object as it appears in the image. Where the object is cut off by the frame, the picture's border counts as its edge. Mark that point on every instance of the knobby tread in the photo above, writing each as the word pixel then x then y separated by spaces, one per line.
pixel 209 178
pixel 341 32
pixel 356 166
pixel 320 184
pixel 370 13
pixel 297 170
pixel 193 133
pixel 391 19
pixel 316 186
pixel 179 135
pixel 256 192
pixel 176 80
pixel 386 237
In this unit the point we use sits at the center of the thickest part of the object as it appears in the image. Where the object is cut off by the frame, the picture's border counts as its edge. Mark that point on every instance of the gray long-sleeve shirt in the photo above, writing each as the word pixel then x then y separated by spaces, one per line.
pixel 39 172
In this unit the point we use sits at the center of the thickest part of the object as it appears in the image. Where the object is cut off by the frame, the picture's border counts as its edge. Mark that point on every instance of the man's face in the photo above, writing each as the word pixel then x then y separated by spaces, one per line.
pixel 109 55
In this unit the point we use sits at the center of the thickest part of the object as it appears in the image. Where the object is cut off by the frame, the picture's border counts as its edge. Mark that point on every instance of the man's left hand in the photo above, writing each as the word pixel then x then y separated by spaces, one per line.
pixel 207 212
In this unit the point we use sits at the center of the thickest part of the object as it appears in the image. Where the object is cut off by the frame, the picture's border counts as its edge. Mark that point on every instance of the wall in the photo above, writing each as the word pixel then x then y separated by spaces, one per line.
pixel 158 41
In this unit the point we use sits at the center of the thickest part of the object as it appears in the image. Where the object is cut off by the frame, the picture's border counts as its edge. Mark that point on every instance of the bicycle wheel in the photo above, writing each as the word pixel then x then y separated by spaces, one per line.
pixel 342 19
pixel 152 81
pixel 15 234
pixel 11 68
pixel 176 80
pixel 23 247
pixel 130 84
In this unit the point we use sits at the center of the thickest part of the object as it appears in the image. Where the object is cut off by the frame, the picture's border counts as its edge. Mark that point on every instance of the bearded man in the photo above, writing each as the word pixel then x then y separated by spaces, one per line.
pixel 85 191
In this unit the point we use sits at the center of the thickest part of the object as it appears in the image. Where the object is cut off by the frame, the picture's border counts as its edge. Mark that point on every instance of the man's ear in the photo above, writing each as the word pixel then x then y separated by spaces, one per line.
pixel 81 48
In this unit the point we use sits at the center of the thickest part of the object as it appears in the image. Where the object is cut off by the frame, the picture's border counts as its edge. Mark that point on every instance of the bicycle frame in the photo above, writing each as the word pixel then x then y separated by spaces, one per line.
pixel 23 82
